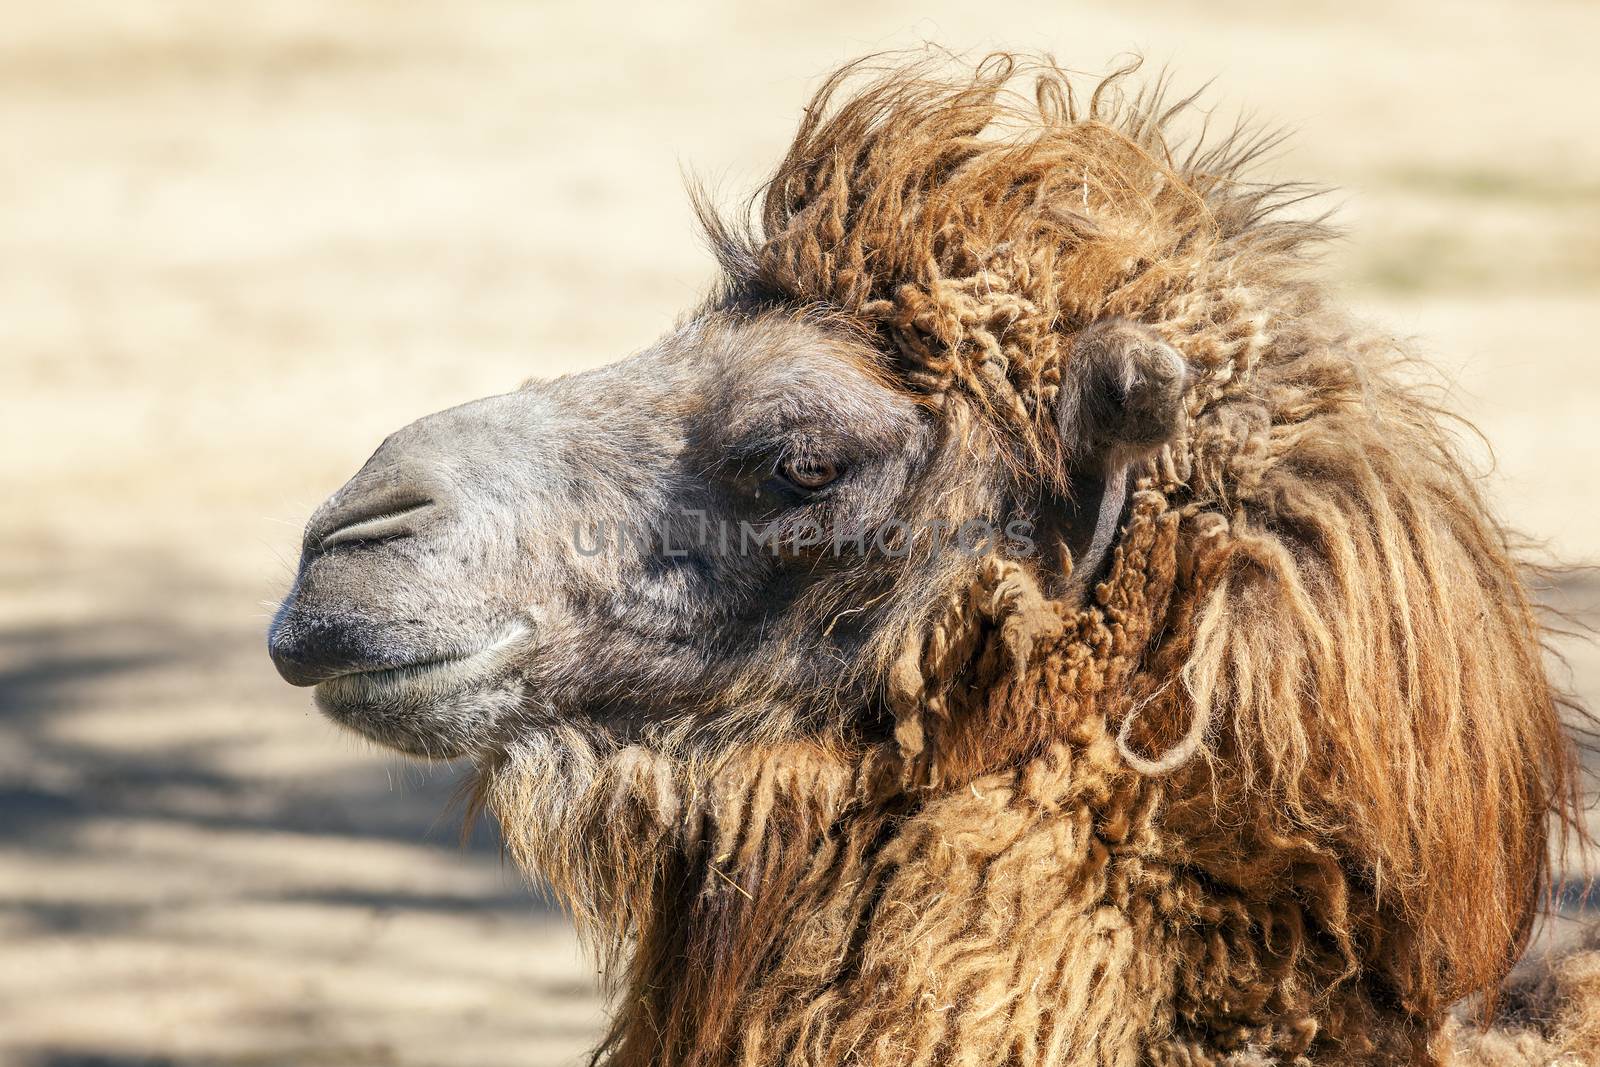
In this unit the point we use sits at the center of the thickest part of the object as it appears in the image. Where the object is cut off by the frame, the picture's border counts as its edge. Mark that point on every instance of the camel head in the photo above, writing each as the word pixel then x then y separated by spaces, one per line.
pixel 726 535
pixel 1018 619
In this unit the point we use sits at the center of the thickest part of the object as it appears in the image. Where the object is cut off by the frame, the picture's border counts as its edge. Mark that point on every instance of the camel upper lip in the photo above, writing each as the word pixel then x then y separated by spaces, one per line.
pixel 438 673
pixel 398 670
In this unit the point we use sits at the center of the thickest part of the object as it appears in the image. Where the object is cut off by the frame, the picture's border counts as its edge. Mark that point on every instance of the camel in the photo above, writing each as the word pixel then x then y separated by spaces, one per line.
pixel 1019 618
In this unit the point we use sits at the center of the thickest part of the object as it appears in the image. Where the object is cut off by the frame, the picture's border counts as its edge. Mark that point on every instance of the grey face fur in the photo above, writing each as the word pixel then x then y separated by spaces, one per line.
pixel 728 535
pixel 619 547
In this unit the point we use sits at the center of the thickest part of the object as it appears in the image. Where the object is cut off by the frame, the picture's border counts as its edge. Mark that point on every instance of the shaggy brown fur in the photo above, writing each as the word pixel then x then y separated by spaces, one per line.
pixel 1282 787
pixel 1550 1015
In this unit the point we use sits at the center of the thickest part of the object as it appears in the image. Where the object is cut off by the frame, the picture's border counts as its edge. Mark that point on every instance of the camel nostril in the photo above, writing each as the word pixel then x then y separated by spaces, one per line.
pixel 382 527
pixel 383 516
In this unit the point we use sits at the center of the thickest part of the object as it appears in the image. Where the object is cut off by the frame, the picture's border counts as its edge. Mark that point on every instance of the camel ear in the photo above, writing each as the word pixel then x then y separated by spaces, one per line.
pixel 1121 395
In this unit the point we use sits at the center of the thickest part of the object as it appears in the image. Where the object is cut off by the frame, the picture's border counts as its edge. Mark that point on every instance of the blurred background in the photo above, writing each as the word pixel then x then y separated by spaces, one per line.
pixel 240 243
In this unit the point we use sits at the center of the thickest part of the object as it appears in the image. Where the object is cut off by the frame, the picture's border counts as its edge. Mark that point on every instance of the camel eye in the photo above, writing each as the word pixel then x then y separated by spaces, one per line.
pixel 809 473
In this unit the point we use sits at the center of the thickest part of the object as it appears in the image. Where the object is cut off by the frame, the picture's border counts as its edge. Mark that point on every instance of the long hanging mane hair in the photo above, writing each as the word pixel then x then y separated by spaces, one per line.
pixel 1282 787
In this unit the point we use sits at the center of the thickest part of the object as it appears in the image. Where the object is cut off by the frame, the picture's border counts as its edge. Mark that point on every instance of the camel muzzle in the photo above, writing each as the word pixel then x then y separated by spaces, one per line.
pixel 327 627
pixel 410 596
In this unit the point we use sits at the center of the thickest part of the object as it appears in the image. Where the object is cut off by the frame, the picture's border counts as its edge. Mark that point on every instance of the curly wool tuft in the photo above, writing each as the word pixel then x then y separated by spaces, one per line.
pixel 1280 790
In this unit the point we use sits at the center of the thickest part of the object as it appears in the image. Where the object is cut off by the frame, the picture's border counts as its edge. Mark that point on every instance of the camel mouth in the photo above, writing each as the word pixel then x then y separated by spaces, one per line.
pixel 440 705
pixel 432 672
pixel 441 672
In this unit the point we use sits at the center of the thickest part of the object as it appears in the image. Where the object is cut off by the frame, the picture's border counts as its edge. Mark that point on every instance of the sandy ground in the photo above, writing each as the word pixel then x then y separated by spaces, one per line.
pixel 241 242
